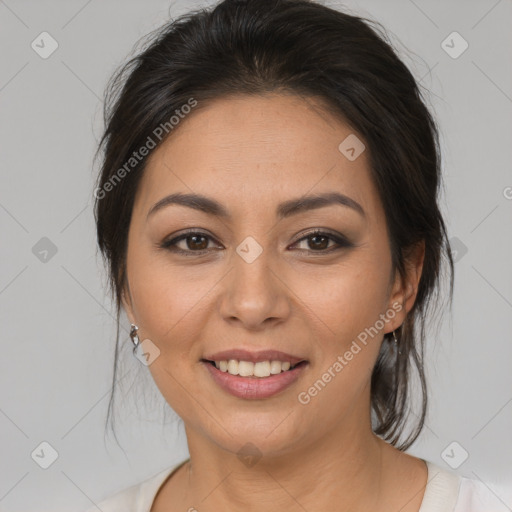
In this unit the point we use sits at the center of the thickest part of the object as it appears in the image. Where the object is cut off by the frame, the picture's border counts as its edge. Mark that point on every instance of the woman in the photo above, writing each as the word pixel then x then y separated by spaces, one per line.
pixel 267 208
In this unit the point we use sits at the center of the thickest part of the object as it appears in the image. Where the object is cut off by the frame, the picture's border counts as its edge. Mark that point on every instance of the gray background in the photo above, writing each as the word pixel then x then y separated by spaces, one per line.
pixel 57 328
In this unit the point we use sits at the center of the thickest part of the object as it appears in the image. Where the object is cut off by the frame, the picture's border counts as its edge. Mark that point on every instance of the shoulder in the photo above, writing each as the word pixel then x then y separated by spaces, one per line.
pixel 449 492
pixel 442 490
pixel 122 500
pixel 476 496
pixel 136 498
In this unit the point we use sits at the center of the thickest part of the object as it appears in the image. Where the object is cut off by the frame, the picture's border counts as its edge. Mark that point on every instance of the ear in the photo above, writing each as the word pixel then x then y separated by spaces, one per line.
pixel 405 289
pixel 126 301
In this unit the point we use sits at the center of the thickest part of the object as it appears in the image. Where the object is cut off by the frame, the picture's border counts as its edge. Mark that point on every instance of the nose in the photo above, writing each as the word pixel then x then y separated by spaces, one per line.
pixel 255 294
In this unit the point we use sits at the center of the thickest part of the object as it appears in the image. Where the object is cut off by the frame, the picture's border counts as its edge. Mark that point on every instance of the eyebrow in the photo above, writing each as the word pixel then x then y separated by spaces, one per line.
pixel 284 210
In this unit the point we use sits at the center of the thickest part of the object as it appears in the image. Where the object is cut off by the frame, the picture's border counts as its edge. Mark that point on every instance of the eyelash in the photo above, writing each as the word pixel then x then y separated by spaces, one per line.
pixel 170 245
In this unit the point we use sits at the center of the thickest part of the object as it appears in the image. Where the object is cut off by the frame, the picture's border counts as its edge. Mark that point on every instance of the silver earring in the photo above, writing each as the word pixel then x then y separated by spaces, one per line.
pixel 396 342
pixel 134 336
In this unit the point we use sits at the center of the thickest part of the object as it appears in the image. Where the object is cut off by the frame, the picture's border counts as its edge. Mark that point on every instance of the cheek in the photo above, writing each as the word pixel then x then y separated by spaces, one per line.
pixel 169 304
pixel 345 299
pixel 166 297
pixel 346 306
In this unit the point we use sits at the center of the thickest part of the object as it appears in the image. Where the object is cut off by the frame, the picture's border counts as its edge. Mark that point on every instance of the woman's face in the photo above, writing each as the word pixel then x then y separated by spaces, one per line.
pixel 257 279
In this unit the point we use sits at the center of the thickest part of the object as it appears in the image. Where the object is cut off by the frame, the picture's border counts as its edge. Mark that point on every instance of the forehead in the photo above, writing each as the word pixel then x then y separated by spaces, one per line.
pixel 257 148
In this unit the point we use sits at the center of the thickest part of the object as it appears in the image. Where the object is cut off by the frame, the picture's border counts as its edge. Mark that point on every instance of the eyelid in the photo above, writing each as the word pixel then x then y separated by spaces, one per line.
pixel 340 240
pixel 323 232
pixel 170 242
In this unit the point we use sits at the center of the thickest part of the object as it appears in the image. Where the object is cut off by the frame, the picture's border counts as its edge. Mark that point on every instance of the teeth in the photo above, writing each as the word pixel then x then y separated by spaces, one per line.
pixel 233 367
pixel 275 367
pixel 245 368
pixel 250 369
pixel 262 369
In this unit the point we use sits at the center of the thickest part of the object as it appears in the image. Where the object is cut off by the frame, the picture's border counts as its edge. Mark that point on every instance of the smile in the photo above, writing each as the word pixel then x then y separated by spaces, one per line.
pixel 250 369
pixel 248 380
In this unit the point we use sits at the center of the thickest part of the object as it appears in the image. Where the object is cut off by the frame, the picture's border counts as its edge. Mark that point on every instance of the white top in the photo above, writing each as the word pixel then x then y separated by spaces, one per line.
pixel 445 492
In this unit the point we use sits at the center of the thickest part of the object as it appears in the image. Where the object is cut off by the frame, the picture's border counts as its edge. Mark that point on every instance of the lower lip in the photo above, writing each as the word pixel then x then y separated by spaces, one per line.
pixel 254 387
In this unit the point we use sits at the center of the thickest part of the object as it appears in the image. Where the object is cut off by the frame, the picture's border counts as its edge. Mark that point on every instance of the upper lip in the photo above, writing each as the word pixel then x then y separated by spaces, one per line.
pixel 255 357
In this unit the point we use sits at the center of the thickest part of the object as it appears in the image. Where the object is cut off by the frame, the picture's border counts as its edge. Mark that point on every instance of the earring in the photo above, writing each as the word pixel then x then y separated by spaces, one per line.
pixel 396 342
pixel 134 336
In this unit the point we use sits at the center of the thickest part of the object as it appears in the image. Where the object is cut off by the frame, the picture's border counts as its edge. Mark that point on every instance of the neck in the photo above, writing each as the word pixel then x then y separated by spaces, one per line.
pixel 342 469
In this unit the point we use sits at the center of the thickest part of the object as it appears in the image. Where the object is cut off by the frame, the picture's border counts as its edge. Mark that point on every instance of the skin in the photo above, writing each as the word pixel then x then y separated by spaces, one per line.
pixel 250 153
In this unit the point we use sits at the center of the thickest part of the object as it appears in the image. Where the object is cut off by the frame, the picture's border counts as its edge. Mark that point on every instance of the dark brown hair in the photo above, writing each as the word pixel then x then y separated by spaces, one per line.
pixel 304 48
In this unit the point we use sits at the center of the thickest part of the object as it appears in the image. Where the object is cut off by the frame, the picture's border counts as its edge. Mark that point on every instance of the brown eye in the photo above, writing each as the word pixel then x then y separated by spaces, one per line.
pixel 318 241
pixel 195 243
pixel 192 243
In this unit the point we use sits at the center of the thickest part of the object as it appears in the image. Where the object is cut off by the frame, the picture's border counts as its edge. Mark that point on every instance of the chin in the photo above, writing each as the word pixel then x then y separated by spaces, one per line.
pixel 258 434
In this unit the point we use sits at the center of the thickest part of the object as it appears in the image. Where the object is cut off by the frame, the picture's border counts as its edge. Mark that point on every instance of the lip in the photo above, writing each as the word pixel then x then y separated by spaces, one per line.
pixel 254 388
pixel 254 357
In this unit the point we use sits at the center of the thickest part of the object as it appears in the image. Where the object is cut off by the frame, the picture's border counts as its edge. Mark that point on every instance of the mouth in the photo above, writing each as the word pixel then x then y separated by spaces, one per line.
pixel 257 370
pixel 254 376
